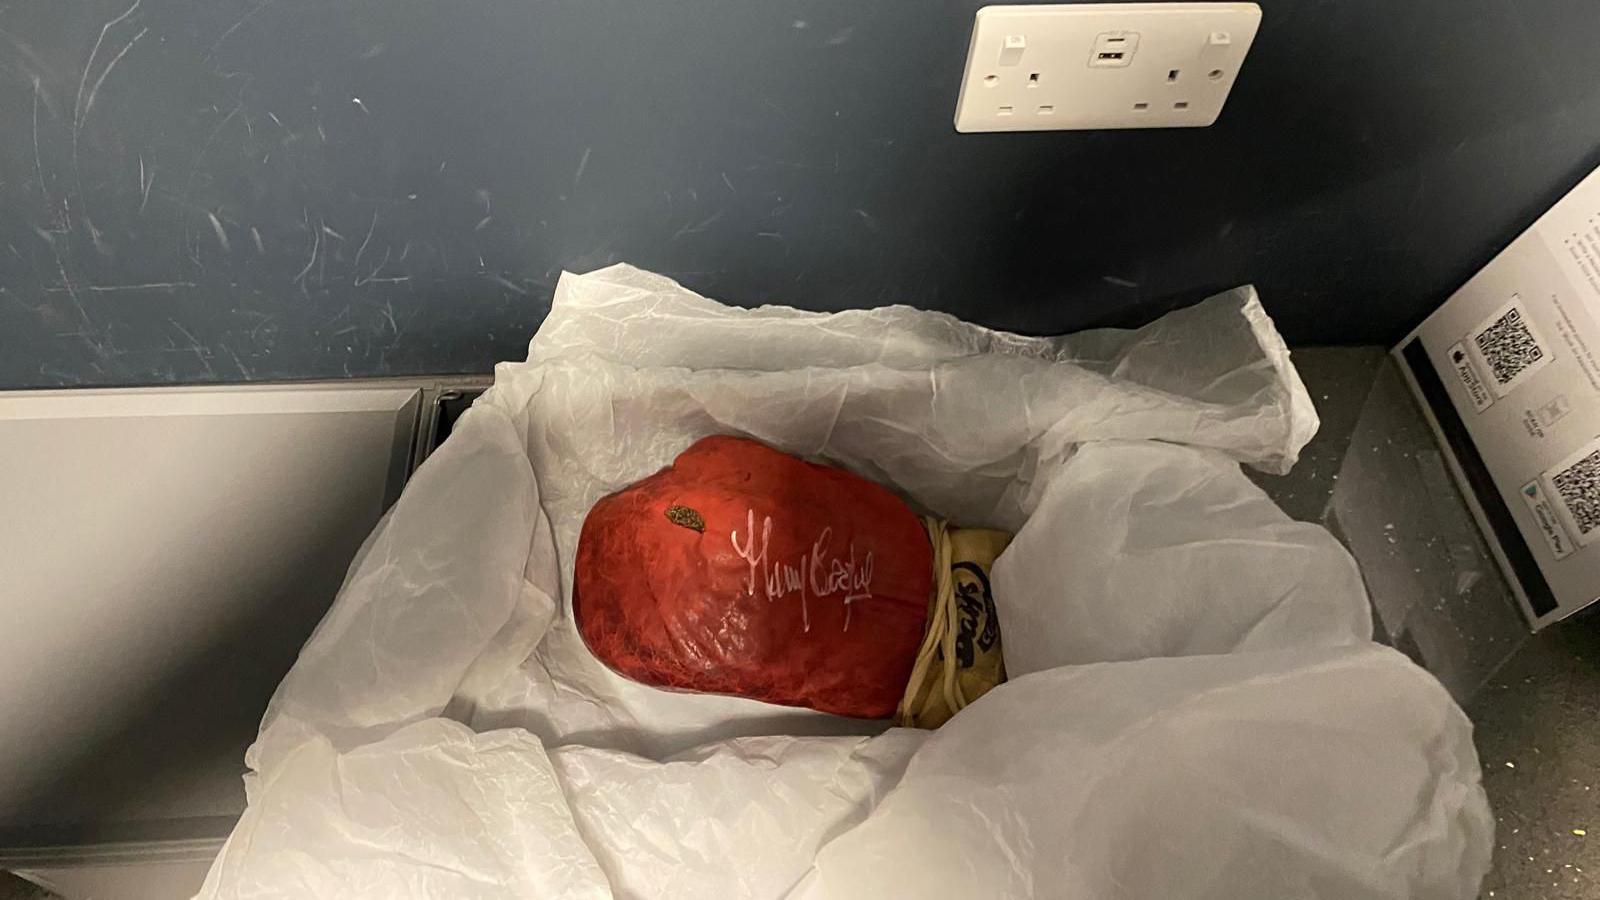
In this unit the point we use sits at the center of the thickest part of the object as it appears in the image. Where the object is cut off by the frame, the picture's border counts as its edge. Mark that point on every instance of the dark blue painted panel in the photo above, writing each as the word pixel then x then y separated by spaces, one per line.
pixel 261 189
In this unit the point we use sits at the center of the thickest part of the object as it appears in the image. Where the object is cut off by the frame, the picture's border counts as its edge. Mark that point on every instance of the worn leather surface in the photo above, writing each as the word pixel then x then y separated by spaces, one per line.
pixel 742 570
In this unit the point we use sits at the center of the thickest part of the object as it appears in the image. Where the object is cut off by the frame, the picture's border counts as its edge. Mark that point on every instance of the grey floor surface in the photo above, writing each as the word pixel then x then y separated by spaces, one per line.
pixel 1374 476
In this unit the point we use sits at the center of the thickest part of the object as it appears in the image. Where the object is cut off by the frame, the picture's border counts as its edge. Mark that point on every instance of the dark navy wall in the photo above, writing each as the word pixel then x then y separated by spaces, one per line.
pixel 224 190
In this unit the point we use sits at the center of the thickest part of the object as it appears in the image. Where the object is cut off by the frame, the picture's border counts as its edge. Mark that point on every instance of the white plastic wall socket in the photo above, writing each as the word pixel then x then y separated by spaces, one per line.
pixel 1103 65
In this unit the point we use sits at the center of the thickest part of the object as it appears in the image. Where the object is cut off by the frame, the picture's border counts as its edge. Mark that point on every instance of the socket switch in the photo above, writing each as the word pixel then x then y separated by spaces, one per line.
pixel 1103 65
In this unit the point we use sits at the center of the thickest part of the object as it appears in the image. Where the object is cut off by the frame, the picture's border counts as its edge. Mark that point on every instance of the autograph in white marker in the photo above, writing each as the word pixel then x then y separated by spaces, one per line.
pixel 817 574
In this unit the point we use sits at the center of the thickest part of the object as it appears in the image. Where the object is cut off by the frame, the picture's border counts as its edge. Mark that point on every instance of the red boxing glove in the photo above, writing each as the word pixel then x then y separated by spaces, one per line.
pixel 743 570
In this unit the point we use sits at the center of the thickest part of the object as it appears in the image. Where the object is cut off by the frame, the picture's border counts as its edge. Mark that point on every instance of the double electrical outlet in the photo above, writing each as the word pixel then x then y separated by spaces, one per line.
pixel 1103 65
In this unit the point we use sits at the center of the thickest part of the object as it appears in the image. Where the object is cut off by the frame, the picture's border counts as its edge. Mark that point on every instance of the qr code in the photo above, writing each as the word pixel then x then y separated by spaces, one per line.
pixel 1579 488
pixel 1508 346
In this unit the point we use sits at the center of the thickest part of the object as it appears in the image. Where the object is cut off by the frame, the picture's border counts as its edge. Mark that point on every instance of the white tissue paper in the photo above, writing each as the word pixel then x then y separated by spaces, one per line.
pixel 1196 707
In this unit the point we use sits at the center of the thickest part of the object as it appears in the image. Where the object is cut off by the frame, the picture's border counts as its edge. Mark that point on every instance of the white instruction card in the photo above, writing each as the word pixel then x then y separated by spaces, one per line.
pixel 1507 371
